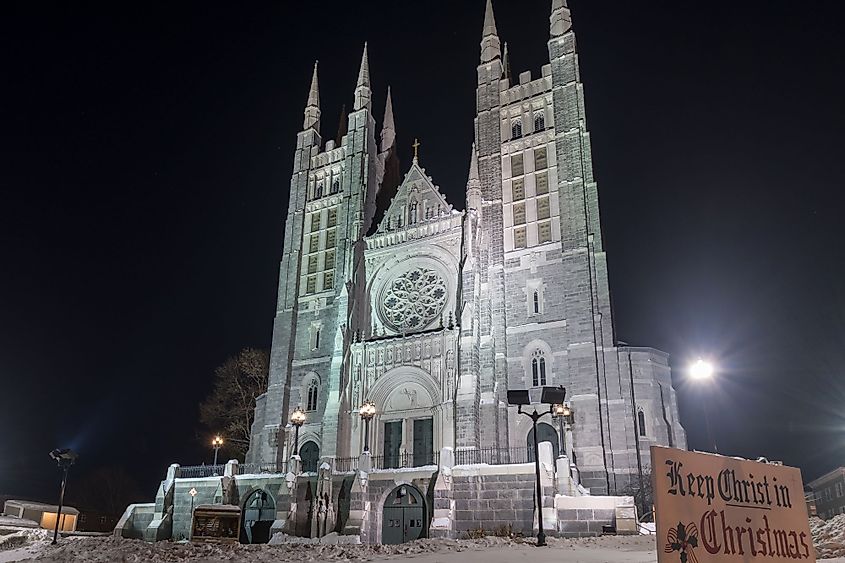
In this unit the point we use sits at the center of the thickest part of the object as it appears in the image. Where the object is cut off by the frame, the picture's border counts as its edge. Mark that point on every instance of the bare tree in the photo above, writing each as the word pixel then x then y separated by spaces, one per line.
pixel 643 495
pixel 230 408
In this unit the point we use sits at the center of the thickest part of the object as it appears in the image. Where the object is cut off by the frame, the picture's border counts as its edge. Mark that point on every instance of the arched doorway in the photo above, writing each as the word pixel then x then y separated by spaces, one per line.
pixel 258 516
pixel 403 518
pixel 310 455
pixel 545 433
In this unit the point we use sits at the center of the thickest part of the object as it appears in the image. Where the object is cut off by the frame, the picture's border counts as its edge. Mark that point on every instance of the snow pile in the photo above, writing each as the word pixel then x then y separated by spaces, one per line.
pixel 829 536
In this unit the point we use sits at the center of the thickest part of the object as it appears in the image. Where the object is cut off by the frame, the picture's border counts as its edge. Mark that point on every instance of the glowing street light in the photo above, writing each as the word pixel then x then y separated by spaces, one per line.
pixel 216 443
pixel 297 418
pixel 701 369
pixel 367 412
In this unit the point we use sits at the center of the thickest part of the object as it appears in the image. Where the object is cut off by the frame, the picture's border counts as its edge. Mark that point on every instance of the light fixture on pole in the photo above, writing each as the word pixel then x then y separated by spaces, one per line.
pixel 563 413
pixel 549 396
pixel 297 418
pixel 64 458
pixel 216 443
pixel 367 412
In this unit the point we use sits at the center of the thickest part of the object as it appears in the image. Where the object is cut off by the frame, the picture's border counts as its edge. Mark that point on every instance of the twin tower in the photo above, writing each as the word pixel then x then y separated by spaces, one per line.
pixel 437 313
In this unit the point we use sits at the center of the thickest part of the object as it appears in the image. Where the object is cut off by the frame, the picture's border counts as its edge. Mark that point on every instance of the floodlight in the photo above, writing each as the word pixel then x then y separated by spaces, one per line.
pixel 518 397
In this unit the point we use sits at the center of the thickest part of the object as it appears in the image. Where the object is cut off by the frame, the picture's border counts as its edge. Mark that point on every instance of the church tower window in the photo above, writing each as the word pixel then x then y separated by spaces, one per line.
pixel 518 189
pixel 540 159
pixel 543 210
pixel 318 193
pixel 538 368
pixel 314 243
pixel 328 280
pixel 312 395
pixel 519 237
pixel 539 122
pixel 329 262
pixel 536 303
pixel 316 222
pixel 517 168
pixel 544 232
pixel 542 183
pixel 641 422
pixel 332 219
pixel 312 264
pixel 335 186
pixel 331 238
pixel 413 213
pixel 311 284
pixel 516 129
pixel 518 213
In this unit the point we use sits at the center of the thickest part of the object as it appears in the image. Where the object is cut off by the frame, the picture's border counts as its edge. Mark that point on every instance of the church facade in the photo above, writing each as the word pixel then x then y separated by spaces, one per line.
pixel 433 313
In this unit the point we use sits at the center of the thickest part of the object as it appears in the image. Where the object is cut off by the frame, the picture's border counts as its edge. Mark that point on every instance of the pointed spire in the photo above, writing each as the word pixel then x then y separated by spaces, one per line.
pixel 388 127
pixel 312 109
pixel 506 62
pixel 342 126
pixel 561 19
pixel 490 45
pixel 362 89
pixel 473 183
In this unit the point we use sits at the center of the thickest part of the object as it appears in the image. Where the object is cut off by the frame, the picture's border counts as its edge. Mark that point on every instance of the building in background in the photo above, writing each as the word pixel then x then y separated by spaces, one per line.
pixel 829 493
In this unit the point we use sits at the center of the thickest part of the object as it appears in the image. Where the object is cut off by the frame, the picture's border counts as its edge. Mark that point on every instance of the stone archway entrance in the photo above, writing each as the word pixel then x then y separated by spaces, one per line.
pixel 258 516
pixel 545 433
pixel 309 452
pixel 404 518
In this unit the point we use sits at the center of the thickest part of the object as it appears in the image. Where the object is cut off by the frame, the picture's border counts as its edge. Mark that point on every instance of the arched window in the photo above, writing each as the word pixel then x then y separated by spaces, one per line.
pixel 536 302
pixel 539 122
pixel 413 212
pixel 641 422
pixel 516 129
pixel 335 186
pixel 313 392
pixel 538 368
pixel 318 193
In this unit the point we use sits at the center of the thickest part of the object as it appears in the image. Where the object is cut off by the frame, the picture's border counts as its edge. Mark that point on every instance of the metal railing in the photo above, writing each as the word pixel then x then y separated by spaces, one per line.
pixel 493 456
pixel 398 461
pixel 198 471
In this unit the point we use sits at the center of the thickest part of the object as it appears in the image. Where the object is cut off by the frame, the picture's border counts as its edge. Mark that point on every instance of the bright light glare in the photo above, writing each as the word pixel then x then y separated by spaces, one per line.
pixel 701 369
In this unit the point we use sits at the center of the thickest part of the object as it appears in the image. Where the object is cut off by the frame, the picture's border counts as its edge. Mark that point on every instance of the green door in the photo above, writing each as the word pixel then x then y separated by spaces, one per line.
pixel 423 442
pixel 392 443
pixel 403 519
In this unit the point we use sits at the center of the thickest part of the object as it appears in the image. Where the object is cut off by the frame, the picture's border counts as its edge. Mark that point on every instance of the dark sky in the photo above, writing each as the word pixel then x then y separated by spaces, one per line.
pixel 145 156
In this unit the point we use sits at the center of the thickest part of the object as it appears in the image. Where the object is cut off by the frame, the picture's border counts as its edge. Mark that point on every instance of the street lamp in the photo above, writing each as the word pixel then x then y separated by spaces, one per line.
pixel 216 443
pixel 563 413
pixel 64 458
pixel 367 412
pixel 297 418
pixel 550 396
pixel 702 370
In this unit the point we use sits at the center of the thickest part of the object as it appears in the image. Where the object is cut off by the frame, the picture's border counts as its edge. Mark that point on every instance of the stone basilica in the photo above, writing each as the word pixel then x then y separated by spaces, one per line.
pixel 437 313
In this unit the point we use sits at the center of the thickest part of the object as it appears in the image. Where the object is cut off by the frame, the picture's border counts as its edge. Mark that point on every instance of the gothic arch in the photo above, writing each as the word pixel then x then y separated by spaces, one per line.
pixel 398 376
pixel 528 354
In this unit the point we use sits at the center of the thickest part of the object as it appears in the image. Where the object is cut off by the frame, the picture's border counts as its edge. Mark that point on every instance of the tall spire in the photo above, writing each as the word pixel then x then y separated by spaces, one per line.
pixel 490 45
pixel 388 127
pixel 561 19
pixel 506 62
pixel 312 109
pixel 473 182
pixel 362 89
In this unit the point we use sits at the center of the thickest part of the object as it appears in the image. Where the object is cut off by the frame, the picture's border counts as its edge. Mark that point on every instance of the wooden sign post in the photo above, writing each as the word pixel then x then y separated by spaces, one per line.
pixel 711 508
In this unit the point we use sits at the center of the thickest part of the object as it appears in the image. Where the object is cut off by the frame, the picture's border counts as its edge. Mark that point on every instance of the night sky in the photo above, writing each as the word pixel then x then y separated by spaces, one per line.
pixel 145 158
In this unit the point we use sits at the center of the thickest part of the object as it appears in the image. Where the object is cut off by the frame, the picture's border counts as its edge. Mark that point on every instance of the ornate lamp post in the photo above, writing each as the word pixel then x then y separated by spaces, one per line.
pixel 216 443
pixel 563 413
pixel 367 412
pixel 297 418
pixel 64 458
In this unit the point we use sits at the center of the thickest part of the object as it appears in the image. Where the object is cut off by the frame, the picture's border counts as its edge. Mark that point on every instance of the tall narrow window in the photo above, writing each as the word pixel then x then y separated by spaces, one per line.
pixel 517 168
pixel 335 186
pixel 313 392
pixel 314 243
pixel 539 122
pixel 641 422
pixel 413 213
pixel 328 280
pixel 516 129
pixel 331 238
pixel 318 193
pixel 542 183
pixel 316 222
pixel 519 237
pixel 315 336
pixel 328 263
pixel 311 284
pixel 544 232
pixel 312 263
pixel 543 210
pixel 536 302
pixel 519 213
pixel 518 189
pixel 540 159
pixel 538 369
pixel 332 219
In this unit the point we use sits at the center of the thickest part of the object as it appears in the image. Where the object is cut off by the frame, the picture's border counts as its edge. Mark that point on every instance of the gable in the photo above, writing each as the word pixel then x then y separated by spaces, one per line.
pixel 416 201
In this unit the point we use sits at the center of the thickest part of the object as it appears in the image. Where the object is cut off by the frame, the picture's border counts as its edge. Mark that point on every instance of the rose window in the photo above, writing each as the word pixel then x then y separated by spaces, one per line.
pixel 414 299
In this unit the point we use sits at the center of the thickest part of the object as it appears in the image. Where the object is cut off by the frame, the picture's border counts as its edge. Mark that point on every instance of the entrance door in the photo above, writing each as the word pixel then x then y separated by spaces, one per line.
pixel 423 442
pixel 404 516
pixel 258 516
pixel 309 452
pixel 545 433
pixel 392 443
